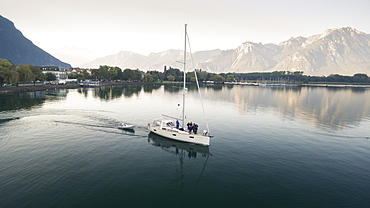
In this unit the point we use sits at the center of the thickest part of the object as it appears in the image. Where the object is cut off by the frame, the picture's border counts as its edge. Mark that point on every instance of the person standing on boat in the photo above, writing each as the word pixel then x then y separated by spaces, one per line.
pixel 177 124
pixel 190 127
pixel 195 128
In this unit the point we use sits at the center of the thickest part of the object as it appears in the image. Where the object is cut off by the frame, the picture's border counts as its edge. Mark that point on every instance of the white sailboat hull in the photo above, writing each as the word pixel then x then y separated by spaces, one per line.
pixel 178 135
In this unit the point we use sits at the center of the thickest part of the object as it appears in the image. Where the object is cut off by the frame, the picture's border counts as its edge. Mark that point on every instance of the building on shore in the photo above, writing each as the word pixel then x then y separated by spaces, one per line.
pixel 60 73
pixel 81 70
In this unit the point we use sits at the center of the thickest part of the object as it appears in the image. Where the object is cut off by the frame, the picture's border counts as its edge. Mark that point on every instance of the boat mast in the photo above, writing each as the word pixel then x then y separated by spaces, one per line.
pixel 184 88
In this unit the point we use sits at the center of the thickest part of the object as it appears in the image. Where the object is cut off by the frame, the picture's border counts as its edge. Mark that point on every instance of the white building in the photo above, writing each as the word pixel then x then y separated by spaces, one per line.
pixel 60 73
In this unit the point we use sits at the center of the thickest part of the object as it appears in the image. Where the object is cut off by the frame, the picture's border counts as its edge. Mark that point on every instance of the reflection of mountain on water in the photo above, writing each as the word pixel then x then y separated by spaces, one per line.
pixel 84 91
pixel 117 91
pixel 27 100
pixel 323 106
pixel 109 92
pixel 176 147
pixel 173 88
pixel 216 87
pixel 150 87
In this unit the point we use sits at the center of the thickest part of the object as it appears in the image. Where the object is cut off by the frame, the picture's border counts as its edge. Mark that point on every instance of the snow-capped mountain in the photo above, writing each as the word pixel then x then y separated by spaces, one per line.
pixel 344 51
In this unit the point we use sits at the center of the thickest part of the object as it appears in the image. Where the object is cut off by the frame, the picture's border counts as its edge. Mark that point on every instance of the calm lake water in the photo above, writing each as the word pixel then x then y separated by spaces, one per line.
pixel 272 147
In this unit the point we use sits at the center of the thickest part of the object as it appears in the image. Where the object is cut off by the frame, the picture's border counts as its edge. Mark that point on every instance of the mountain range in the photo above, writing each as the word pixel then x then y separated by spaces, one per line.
pixel 19 50
pixel 344 51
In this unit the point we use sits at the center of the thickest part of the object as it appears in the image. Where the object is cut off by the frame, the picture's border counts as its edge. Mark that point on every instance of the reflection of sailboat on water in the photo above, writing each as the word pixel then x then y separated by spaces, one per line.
pixel 181 149
pixel 167 128
pixel 176 146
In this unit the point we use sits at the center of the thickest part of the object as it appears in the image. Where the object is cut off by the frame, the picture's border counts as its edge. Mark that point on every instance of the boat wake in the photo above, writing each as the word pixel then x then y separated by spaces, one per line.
pixel 8 119
pixel 341 136
pixel 107 129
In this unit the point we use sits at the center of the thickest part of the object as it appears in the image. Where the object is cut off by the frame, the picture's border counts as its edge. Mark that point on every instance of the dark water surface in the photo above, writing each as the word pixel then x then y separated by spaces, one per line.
pixel 272 147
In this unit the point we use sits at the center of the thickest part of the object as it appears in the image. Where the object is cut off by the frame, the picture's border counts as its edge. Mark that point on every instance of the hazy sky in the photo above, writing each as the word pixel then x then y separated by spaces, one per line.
pixel 144 26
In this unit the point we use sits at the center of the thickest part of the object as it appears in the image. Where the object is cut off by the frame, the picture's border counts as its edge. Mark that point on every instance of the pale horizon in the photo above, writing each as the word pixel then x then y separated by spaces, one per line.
pixel 108 27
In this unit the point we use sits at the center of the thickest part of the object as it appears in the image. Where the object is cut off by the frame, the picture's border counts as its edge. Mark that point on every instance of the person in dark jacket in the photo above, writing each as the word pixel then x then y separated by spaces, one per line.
pixel 190 127
pixel 195 128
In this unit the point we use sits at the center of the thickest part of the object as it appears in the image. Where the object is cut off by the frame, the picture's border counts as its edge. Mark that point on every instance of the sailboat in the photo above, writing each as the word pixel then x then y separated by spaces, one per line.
pixel 169 127
pixel 175 146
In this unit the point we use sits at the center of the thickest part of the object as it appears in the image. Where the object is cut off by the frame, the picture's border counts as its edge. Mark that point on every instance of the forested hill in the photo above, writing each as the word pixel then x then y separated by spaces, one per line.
pixel 19 50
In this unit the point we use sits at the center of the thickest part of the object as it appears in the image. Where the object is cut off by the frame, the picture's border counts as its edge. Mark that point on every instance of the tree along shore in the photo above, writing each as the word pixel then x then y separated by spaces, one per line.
pixel 11 74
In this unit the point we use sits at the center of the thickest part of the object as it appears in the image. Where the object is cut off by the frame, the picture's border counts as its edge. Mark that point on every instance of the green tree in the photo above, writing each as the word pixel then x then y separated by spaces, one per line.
pixel 136 75
pixel 25 73
pixel 202 76
pixel 190 76
pixel 86 75
pixel 50 76
pixel 131 75
pixel 171 78
pixel 75 76
pixel 7 72
pixel 101 73
pixel 37 73
pixel 298 73
pixel 127 74
pixel 174 72
pixel 230 78
pixel 116 73
pixel 157 75
pixel 148 77
pixel 217 78
pixel 361 78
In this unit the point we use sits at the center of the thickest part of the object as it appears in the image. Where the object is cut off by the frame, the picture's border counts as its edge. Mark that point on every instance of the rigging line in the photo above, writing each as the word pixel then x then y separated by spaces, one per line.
pixel 204 167
pixel 196 79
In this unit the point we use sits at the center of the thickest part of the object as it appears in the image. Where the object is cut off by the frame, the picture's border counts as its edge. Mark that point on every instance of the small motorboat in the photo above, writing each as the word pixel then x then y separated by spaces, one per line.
pixel 126 126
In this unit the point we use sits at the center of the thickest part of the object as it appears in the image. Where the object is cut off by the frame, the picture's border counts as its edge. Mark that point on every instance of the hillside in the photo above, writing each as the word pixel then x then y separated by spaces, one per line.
pixel 19 50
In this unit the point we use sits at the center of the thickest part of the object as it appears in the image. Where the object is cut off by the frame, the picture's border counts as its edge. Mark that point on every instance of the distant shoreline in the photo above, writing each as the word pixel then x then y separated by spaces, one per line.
pixel 32 88
pixel 337 85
